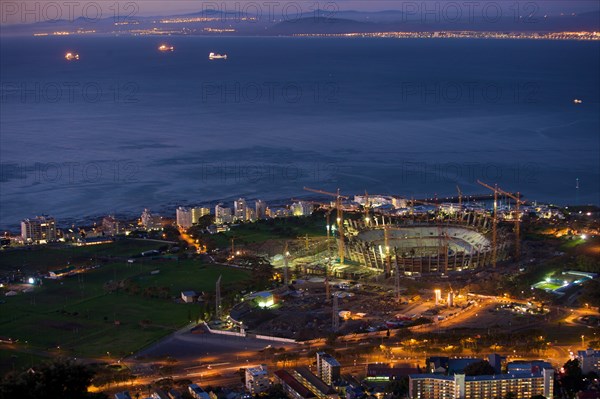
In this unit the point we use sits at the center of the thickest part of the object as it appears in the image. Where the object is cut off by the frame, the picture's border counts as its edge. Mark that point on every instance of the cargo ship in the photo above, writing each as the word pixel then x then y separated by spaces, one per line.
pixel 215 56
pixel 71 56
pixel 164 47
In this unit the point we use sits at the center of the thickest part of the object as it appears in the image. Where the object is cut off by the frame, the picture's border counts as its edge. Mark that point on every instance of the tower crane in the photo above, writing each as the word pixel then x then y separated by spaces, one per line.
pixel 517 220
pixel 340 218
pixel 494 222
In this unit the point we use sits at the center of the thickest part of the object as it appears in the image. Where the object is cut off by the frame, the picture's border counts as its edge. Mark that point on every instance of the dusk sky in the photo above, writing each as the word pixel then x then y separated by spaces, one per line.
pixel 28 11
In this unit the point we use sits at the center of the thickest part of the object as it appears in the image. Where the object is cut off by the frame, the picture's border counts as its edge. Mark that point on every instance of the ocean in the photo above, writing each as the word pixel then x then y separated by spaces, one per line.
pixel 127 127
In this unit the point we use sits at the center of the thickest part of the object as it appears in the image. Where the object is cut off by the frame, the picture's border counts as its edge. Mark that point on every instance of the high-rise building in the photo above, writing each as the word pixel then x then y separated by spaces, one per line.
pixel 589 360
pixel 150 221
pixel 239 209
pixel 223 214
pixel 110 225
pixel 328 368
pixel 184 217
pixel 459 386
pixel 257 379
pixel 250 214
pixel 261 209
pixel 198 212
pixel 41 229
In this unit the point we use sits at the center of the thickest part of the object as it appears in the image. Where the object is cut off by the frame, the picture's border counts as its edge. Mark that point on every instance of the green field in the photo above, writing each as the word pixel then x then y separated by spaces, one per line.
pixel 78 314
pixel 547 286
pixel 44 258
pixel 272 229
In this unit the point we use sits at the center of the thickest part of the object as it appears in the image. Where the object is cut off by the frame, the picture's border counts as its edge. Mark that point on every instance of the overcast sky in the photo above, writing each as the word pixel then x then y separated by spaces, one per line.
pixel 27 11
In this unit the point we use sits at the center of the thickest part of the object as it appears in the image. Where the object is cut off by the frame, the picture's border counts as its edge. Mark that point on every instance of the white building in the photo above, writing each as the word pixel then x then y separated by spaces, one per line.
pixel 110 225
pixel 459 386
pixel 260 208
pixel 589 360
pixel 150 221
pixel 328 368
pixel 223 214
pixel 257 379
pixel 302 208
pixel 41 229
pixel 184 217
pixel 239 209
pixel 198 212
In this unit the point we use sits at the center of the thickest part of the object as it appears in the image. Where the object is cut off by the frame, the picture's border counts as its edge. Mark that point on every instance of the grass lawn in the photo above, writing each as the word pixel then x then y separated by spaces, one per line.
pixel 12 360
pixel 78 315
pixel 272 229
pixel 44 258
pixel 547 286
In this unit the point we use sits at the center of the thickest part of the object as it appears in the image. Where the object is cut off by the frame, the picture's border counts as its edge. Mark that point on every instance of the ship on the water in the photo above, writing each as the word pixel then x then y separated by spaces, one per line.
pixel 71 56
pixel 216 56
pixel 165 47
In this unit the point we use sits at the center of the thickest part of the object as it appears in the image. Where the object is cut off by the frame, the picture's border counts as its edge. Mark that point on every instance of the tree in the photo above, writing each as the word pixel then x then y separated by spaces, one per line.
pixel 399 388
pixel 58 378
pixel 480 368
pixel 572 380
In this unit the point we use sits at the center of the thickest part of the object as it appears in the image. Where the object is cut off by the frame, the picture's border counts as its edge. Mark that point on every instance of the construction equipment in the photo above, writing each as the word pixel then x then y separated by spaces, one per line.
pixel 386 236
pixel 286 269
pixel 340 218
pixel 367 209
pixel 517 219
pixel 494 222
pixel 218 299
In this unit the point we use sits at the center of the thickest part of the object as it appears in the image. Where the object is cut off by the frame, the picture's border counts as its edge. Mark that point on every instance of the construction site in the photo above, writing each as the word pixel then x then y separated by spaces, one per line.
pixel 378 269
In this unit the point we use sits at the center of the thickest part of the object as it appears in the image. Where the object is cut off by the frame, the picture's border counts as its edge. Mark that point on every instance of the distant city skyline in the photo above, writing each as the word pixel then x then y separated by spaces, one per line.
pixel 30 11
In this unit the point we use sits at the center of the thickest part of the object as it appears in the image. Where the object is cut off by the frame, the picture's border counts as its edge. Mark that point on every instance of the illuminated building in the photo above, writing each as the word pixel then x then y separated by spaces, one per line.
pixel 239 209
pixel 110 225
pixel 328 369
pixel 184 217
pixel 257 379
pixel 223 214
pixel 41 229
pixel 316 385
pixel 459 386
pixel 302 208
pixel 292 387
pixel 264 299
pixel 198 212
pixel 260 209
pixel 589 360
pixel 150 221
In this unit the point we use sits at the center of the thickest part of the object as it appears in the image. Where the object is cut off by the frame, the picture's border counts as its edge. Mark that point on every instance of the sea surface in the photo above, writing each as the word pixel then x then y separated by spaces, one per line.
pixel 128 127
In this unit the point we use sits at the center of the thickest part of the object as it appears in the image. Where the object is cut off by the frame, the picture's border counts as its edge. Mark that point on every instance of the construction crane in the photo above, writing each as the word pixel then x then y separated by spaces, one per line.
pixel 340 218
pixel 328 227
pixel 494 222
pixel 286 273
pixel 386 236
pixel 367 209
pixel 517 220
